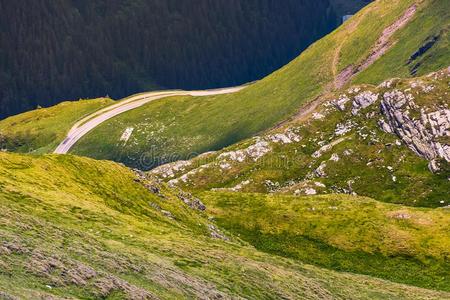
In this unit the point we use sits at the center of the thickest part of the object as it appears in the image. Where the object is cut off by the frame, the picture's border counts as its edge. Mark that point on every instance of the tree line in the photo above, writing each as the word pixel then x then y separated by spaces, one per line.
pixel 54 50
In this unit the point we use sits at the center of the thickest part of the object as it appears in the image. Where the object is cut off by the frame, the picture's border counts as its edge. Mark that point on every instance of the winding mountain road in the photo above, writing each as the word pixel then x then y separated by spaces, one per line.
pixel 83 126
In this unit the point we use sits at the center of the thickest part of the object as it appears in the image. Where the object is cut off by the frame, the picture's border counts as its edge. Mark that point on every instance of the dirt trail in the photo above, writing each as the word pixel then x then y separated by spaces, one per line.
pixel 381 46
pixel 351 27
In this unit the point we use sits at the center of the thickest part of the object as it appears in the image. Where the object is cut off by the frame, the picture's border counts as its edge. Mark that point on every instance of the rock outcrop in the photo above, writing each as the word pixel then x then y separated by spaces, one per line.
pixel 363 100
pixel 421 135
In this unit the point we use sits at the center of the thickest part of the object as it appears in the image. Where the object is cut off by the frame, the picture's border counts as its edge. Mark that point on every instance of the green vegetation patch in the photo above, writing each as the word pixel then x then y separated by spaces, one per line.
pixel 346 233
pixel 76 227
pixel 408 56
pixel 41 130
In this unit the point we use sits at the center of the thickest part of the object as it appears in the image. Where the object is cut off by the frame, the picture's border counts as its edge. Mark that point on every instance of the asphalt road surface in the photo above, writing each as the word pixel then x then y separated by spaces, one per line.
pixel 83 126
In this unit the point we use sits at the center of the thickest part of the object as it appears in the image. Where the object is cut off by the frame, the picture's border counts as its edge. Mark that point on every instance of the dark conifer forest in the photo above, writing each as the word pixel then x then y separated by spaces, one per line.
pixel 55 50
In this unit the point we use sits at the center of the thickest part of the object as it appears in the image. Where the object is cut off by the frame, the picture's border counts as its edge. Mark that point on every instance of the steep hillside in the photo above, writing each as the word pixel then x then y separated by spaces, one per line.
pixel 172 129
pixel 54 50
pixel 347 7
pixel 66 233
pixel 389 142
pixel 41 130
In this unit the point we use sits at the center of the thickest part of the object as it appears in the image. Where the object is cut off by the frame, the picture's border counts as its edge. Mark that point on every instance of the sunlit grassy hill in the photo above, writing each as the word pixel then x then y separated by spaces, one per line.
pixel 75 227
pixel 342 232
pixel 41 130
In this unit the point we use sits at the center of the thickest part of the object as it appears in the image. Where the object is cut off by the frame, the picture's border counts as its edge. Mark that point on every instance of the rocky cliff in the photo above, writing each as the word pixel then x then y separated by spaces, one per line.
pixel 424 129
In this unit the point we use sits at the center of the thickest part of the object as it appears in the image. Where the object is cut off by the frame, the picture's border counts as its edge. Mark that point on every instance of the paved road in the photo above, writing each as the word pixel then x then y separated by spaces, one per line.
pixel 83 126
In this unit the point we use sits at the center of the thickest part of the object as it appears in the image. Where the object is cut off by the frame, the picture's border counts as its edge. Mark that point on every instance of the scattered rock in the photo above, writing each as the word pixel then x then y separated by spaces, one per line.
pixel 319 184
pixel 238 155
pixel 185 177
pixel 317 116
pixel 401 215
pixel 255 152
pixel 279 138
pixel 385 126
pixel 289 136
pixel 191 201
pixel 258 150
pixel 216 233
pixel 107 285
pixel 433 166
pixel 239 186
pixel 320 171
pixel 272 186
pixel 354 90
pixel 340 103
pixel 342 129
pixel 363 100
pixel 79 274
pixel 126 134
pixel 169 170
pixel 168 214
pixel 334 157
pixel 348 152
pixel 421 85
pixel 44 265
pixel 155 206
pixel 4 250
pixel 386 84
pixel 13 247
pixel 5 296
pixel 310 191
pixel 327 147
pixel 305 191
pixel 224 166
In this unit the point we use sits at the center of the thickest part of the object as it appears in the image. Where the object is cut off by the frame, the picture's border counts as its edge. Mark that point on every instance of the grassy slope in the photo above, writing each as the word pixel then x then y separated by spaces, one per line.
pixel 345 233
pixel 64 232
pixel 40 131
pixel 171 129
pixel 432 22
pixel 368 166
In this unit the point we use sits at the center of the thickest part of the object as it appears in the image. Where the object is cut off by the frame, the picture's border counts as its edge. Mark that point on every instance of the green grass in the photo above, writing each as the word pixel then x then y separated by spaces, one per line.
pixel 375 160
pixel 428 22
pixel 61 215
pixel 41 130
pixel 342 232
pixel 360 41
pixel 177 128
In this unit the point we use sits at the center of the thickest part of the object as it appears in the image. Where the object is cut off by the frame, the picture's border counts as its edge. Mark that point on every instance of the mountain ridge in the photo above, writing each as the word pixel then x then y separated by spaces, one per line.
pixel 303 185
